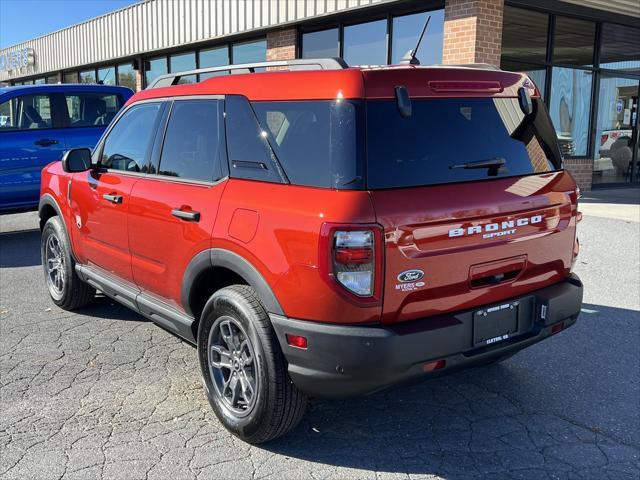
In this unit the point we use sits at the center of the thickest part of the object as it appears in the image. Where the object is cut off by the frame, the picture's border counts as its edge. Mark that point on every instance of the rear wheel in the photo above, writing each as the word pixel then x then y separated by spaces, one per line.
pixel 65 287
pixel 244 370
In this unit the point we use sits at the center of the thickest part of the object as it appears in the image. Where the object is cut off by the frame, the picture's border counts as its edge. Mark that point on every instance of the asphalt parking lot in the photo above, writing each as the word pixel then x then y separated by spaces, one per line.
pixel 102 393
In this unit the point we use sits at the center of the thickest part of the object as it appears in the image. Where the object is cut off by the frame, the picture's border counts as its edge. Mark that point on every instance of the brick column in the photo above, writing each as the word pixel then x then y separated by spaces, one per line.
pixel 281 44
pixel 472 31
pixel 140 75
pixel 582 171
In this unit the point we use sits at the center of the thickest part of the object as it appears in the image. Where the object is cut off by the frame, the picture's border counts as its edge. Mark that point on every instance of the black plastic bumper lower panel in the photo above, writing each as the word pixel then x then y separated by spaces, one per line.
pixel 342 361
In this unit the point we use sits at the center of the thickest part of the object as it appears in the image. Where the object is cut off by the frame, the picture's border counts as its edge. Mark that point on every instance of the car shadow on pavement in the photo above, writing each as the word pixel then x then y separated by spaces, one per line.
pixel 106 308
pixel 20 249
pixel 553 410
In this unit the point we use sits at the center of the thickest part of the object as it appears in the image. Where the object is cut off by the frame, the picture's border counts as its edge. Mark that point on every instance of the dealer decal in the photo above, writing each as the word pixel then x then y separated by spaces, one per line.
pixel 410 280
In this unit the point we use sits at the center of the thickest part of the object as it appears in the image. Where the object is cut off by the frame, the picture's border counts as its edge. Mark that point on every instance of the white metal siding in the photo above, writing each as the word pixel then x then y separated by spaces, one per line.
pixel 159 24
pixel 623 7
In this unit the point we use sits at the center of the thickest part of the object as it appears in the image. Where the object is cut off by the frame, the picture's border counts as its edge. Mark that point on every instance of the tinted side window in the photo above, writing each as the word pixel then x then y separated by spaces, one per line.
pixel 318 143
pixel 26 112
pixel 92 109
pixel 127 145
pixel 250 155
pixel 192 143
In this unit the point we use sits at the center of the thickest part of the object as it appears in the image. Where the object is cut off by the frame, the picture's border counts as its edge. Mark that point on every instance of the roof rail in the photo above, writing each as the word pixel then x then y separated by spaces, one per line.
pixel 299 64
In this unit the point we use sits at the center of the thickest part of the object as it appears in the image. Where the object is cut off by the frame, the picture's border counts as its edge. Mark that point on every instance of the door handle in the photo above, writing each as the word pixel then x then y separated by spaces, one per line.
pixel 45 142
pixel 187 215
pixel 112 197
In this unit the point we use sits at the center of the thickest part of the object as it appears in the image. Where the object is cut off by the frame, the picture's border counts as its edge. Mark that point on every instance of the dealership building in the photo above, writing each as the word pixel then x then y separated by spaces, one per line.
pixel 584 55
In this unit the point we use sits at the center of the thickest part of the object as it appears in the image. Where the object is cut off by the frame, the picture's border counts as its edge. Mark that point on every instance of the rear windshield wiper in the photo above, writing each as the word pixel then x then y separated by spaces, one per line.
pixel 496 162
pixel 494 165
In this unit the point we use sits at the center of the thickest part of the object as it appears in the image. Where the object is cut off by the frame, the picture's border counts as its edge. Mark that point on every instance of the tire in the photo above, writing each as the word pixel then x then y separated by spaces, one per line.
pixel 235 314
pixel 65 287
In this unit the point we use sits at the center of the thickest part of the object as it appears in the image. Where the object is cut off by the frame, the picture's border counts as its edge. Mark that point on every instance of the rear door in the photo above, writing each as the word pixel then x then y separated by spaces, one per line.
pixel 474 204
pixel 173 210
pixel 30 138
pixel 100 198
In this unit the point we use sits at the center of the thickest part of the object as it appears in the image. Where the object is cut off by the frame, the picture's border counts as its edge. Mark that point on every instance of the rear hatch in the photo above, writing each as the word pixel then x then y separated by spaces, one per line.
pixel 473 200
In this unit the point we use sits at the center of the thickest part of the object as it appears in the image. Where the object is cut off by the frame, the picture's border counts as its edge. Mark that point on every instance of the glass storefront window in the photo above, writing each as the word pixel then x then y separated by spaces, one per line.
pixel 70 77
pixel 52 79
pixel 570 107
pixel 88 76
pixel 366 43
pixel 615 125
pixel 537 73
pixel 405 33
pixel 574 41
pixel 183 62
pixel 127 76
pixel 322 44
pixel 249 52
pixel 524 34
pixel 213 57
pixel 107 75
pixel 39 81
pixel 620 48
pixel 157 67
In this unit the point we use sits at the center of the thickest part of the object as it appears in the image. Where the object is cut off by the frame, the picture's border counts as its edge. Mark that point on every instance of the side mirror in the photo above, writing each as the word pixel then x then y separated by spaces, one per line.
pixel 76 160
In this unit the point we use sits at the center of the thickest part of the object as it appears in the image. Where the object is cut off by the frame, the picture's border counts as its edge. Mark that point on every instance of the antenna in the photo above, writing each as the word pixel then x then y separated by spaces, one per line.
pixel 410 56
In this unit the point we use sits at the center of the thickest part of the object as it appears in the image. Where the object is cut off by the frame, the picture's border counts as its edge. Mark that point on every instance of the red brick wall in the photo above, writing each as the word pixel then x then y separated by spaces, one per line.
pixel 582 171
pixel 472 31
pixel 281 44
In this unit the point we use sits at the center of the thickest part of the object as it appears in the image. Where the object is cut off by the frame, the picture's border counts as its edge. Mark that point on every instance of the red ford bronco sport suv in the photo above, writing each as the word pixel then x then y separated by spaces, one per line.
pixel 324 231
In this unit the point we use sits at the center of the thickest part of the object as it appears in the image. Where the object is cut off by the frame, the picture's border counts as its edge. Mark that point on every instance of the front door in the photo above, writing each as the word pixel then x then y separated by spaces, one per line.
pixel 100 198
pixel 172 212
pixel 29 140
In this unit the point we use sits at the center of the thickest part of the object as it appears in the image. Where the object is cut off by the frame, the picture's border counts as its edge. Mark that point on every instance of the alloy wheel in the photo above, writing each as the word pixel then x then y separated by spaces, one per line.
pixel 232 365
pixel 55 266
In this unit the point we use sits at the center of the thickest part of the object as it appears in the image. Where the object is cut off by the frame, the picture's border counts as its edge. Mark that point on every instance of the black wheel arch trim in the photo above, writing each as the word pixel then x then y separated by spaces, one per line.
pixel 219 257
pixel 48 200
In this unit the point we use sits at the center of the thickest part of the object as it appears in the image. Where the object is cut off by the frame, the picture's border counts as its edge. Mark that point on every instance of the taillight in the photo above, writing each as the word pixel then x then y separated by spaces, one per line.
pixel 604 138
pixel 353 263
pixel 351 260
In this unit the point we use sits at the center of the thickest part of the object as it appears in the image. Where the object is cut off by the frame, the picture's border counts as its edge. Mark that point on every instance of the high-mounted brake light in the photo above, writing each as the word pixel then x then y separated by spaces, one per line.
pixel 351 260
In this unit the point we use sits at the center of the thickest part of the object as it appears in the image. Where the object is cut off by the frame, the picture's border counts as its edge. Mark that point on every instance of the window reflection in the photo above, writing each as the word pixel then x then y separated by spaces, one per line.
pixel 157 67
pixel 183 62
pixel 250 52
pixel 570 108
pixel 366 43
pixel 107 75
pixel 406 30
pixel 617 117
pixel 620 48
pixel 524 34
pixel 127 76
pixel 322 44
pixel 574 41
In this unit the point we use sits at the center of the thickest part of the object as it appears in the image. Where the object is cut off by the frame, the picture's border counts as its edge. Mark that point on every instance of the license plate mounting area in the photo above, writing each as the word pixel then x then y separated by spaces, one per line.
pixel 495 324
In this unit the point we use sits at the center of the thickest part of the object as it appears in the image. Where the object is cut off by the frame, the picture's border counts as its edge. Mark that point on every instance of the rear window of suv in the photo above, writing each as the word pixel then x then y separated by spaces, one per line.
pixel 442 135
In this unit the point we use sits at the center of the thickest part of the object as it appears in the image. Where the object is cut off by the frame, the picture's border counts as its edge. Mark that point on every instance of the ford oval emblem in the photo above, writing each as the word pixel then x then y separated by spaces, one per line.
pixel 410 276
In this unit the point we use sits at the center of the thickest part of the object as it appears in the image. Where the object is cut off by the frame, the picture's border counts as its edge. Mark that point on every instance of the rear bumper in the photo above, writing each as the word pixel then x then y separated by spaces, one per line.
pixel 343 361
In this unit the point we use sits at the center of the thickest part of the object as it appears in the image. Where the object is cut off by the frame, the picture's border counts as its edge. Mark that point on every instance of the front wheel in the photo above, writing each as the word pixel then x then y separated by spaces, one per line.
pixel 244 370
pixel 65 287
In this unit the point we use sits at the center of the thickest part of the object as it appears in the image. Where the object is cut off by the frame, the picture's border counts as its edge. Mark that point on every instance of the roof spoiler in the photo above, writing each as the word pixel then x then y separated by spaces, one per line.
pixel 298 64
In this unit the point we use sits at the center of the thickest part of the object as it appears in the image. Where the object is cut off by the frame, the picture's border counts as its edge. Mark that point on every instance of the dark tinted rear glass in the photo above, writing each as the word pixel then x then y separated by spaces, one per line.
pixel 318 143
pixel 441 133
pixel 192 145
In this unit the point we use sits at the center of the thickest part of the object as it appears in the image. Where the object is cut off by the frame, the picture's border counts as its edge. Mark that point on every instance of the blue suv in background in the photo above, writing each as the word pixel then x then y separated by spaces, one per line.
pixel 39 122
